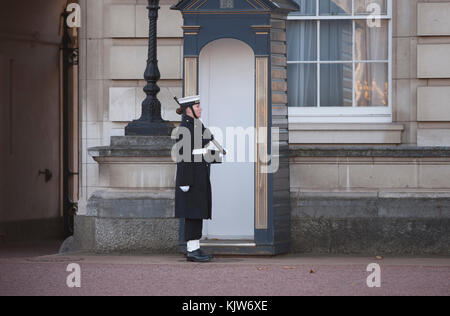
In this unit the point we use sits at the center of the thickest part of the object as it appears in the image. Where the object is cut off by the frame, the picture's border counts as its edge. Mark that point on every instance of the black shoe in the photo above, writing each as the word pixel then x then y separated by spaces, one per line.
pixel 197 256
pixel 203 253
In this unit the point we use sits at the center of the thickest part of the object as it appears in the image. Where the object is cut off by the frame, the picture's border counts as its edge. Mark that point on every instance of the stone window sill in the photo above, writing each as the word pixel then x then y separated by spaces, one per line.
pixel 345 133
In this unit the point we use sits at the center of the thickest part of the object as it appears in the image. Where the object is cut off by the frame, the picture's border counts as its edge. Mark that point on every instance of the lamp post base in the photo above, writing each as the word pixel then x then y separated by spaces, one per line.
pixel 148 128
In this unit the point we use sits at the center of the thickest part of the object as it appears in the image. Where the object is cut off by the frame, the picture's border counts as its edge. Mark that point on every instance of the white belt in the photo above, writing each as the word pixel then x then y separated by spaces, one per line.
pixel 202 151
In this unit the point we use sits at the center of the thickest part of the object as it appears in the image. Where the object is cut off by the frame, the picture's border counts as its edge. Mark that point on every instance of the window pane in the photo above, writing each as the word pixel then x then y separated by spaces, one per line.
pixel 301 40
pixel 302 85
pixel 307 7
pixel 372 85
pixel 374 7
pixel 335 7
pixel 371 42
pixel 336 85
pixel 336 40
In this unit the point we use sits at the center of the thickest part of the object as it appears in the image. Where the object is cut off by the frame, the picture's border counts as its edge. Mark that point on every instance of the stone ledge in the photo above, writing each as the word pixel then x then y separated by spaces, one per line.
pixel 154 142
pixel 360 206
pixel 345 127
pixel 124 204
pixel 368 151
pixel 126 235
pixel 371 236
pixel 370 225
pixel 345 133
pixel 404 193
pixel 135 146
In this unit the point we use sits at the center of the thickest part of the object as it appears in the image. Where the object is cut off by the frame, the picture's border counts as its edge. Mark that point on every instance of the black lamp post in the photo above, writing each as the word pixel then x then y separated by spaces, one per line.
pixel 151 123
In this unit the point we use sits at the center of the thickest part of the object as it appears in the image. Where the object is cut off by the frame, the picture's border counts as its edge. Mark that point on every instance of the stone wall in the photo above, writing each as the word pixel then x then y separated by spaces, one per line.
pixel 353 201
pixel 370 200
pixel 433 68
pixel 113 54
pixel 383 188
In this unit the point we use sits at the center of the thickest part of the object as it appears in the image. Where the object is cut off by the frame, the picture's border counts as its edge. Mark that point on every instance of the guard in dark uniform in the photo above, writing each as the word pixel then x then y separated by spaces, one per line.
pixel 193 186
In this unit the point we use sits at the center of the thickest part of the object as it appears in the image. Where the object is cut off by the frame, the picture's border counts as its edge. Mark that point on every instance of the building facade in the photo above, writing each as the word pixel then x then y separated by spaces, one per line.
pixel 362 104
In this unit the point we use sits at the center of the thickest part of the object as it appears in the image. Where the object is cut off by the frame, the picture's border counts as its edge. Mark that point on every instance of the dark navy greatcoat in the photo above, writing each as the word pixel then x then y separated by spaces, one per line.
pixel 196 203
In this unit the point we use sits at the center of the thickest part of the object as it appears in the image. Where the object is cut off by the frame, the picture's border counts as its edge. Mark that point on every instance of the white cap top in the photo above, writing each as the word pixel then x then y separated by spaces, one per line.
pixel 191 99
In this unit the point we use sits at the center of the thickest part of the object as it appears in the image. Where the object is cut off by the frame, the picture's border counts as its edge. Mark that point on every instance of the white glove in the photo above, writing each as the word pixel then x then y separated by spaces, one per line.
pixel 185 188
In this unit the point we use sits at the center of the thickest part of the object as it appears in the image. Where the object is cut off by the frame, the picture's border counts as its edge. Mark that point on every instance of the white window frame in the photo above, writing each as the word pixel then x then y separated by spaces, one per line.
pixel 375 114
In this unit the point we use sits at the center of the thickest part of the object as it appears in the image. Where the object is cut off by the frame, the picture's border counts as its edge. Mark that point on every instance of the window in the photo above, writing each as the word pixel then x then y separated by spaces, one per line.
pixel 340 61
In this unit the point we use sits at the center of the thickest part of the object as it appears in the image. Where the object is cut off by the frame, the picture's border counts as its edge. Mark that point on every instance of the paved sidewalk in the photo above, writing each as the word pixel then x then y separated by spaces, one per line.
pixel 42 273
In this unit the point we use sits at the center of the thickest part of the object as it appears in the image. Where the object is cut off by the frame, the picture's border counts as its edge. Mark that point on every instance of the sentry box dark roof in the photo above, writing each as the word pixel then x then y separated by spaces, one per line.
pixel 212 19
pixel 260 5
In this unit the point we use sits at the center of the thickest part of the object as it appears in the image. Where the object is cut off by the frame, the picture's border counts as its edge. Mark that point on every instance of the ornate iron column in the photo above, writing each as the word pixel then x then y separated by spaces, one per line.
pixel 151 123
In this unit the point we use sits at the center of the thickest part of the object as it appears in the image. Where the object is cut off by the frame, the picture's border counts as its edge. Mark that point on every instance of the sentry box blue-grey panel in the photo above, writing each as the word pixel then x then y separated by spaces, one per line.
pixel 261 24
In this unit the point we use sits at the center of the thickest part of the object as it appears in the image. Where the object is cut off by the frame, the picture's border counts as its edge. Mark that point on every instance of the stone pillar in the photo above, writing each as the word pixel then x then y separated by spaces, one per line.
pixel 135 209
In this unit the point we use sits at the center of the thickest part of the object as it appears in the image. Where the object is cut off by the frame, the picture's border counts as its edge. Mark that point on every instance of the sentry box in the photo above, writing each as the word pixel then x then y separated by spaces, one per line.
pixel 235 59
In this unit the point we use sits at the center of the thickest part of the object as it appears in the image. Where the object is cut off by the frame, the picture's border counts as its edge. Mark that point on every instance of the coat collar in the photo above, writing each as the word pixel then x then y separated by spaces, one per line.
pixel 188 119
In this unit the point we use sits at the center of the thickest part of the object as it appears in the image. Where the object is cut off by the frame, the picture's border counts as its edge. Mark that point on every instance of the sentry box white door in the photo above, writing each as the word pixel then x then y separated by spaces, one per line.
pixel 226 86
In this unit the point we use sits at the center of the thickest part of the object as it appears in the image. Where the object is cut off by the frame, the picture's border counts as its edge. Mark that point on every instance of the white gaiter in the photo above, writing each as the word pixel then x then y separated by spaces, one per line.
pixel 193 245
